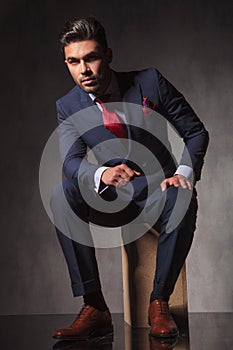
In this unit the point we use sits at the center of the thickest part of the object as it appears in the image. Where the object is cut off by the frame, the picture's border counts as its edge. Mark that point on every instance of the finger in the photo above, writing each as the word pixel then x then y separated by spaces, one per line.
pixel 129 172
pixel 124 167
pixel 137 173
pixel 189 184
pixel 173 181
pixel 118 184
pixel 114 183
pixel 163 185
pixel 122 179
pixel 120 173
pixel 183 182
pixel 124 176
pixel 122 183
pixel 127 169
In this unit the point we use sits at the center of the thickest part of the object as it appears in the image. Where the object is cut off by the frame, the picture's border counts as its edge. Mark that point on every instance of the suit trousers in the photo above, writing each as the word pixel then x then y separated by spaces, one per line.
pixel 173 244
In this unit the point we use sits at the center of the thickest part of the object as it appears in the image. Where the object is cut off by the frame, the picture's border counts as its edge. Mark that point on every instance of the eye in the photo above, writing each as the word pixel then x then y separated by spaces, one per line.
pixel 72 61
pixel 92 58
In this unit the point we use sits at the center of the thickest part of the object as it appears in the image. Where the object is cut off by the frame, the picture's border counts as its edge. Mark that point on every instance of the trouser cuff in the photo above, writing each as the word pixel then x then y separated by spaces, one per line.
pixel 87 287
pixel 159 292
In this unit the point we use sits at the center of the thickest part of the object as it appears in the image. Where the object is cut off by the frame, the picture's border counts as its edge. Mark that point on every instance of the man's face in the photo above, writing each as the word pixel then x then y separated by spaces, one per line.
pixel 88 65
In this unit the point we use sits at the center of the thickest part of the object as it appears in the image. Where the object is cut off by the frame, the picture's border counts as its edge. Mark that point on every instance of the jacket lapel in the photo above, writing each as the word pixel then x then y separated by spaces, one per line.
pixel 132 103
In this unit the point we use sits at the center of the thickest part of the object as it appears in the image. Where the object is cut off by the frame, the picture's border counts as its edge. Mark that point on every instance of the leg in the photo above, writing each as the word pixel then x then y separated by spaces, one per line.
pixel 183 244
pixel 94 318
pixel 80 258
pixel 173 248
pixel 71 216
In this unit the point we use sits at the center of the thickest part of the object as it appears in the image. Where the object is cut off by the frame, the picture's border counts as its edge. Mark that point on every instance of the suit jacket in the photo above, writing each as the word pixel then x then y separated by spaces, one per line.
pixel 81 128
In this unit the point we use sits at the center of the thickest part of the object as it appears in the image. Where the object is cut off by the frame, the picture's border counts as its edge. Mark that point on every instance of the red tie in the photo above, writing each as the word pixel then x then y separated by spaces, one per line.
pixel 112 121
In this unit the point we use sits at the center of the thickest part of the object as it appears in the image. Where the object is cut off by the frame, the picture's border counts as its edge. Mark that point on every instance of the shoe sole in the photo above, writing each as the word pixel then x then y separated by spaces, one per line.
pixel 164 336
pixel 104 342
pixel 100 334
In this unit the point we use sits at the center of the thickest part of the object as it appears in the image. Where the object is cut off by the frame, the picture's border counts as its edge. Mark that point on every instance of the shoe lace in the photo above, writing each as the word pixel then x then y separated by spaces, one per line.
pixel 81 314
pixel 162 308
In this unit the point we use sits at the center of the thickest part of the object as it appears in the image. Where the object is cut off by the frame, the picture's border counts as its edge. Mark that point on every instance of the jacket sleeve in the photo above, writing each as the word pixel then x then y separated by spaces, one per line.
pixel 181 115
pixel 73 150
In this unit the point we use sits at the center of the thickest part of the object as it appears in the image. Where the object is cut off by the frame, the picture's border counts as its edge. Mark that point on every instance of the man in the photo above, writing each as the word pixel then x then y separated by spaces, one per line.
pixel 88 59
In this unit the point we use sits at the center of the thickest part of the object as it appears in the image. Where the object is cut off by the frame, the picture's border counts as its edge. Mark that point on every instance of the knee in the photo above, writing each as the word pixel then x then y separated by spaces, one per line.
pixel 171 196
pixel 62 193
pixel 179 208
pixel 191 214
pixel 56 198
pixel 177 196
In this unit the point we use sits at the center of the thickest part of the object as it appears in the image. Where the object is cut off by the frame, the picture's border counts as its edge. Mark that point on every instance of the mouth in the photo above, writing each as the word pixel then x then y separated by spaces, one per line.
pixel 88 81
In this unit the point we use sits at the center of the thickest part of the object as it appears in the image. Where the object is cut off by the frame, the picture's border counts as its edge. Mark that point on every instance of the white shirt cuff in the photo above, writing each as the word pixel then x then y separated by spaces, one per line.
pixel 97 178
pixel 185 170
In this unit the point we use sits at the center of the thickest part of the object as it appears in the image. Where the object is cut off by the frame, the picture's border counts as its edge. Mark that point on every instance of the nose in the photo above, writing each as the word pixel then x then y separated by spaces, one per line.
pixel 84 67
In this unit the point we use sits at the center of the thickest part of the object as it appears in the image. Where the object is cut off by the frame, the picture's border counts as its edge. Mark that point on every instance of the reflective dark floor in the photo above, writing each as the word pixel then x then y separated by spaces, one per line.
pixel 206 331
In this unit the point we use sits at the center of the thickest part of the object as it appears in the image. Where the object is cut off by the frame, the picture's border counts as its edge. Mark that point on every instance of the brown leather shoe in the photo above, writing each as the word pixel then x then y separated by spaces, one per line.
pixel 161 321
pixel 89 323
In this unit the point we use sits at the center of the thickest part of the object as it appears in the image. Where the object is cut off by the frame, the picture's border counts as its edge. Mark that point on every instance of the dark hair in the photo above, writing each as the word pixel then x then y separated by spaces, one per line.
pixel 86 28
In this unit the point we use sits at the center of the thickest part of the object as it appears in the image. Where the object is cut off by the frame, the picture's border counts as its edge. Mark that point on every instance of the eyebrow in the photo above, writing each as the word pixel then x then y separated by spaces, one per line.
pixel 92 53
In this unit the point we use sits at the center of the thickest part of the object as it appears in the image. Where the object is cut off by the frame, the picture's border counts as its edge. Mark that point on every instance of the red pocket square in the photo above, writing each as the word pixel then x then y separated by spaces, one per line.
pixel 147 106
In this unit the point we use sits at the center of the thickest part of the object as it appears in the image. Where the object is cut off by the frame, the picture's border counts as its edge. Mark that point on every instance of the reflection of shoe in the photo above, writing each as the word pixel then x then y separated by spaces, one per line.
pixel 162 344
pixel 161 321
pixel 89 323
pixel 104 343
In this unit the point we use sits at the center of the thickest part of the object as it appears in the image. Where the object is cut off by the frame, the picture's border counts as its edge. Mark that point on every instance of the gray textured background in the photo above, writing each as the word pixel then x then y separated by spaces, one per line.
pixel 191 44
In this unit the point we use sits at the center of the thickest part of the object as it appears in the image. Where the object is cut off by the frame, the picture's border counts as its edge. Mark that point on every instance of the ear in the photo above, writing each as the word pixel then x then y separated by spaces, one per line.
pixel 109 55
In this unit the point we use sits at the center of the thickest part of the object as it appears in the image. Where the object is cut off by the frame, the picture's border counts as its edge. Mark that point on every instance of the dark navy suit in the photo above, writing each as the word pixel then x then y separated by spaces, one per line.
pixel 77 135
